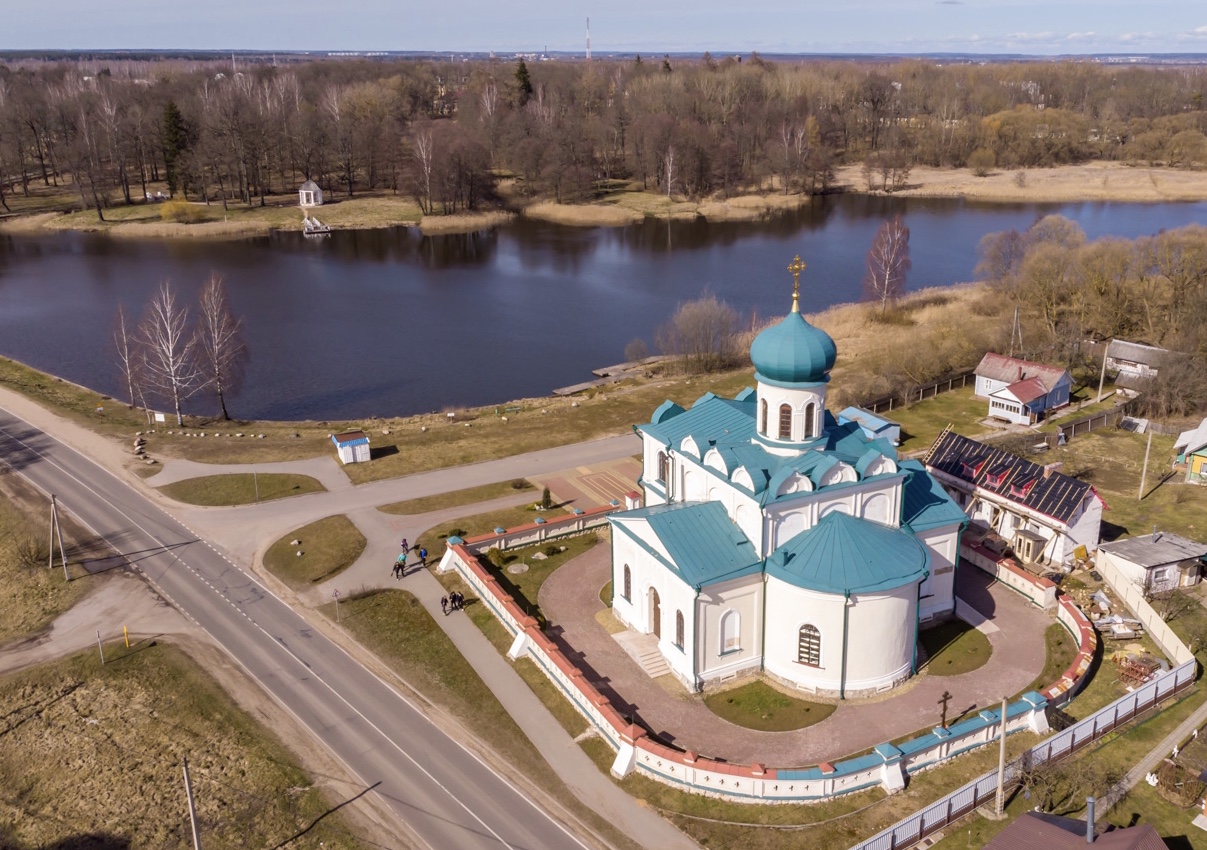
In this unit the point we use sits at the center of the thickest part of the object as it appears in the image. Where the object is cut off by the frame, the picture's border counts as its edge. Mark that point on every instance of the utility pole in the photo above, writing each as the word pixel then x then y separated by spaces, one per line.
pixel 188 790
pixel 1001 763
pixel 1144 472
pixel 1016 332
pixel 56 535
pixel 1102 377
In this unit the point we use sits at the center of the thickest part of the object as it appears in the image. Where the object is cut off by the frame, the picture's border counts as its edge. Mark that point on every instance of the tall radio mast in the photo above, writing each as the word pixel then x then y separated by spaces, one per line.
pixel 588 39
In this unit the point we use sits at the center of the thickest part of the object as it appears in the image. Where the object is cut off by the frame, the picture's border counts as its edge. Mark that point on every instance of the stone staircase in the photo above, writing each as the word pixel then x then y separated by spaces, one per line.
pixel 644 650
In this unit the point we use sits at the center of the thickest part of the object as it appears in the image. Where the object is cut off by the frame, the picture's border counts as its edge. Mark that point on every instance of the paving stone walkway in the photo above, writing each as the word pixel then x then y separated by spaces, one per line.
pixel 570 600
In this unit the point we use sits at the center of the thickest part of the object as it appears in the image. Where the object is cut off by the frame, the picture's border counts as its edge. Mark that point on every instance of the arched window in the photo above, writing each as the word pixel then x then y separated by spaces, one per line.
pixel 731 631
pixel 763 417
pixel 785 422
pixel 808 649
pixel 628 584
pixel 810 414
pixel 664 467
pixel 679 629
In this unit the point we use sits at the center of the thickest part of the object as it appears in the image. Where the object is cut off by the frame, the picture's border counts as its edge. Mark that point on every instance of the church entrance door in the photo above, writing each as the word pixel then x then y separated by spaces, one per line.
pixel 655 614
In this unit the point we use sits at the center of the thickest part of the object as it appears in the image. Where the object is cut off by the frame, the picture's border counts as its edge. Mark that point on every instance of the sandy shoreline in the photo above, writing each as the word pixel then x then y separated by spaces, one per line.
pixel 1090 182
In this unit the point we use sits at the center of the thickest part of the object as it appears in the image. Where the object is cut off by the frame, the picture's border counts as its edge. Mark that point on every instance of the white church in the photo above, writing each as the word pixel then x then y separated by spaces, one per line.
pixel 774 539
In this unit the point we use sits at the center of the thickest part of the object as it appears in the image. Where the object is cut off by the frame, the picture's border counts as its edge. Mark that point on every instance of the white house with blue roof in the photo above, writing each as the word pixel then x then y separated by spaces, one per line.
pixel 775 539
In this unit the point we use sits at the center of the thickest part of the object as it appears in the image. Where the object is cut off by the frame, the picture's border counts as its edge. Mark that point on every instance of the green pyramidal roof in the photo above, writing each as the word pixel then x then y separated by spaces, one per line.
pixel 793 352
pixel 843 554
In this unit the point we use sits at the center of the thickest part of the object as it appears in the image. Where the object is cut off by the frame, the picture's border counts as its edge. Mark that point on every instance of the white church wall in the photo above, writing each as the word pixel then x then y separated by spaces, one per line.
pixel 676 597
pixel 879 501
pixel 789 608
pixel 798 399
pixel 880 637
pixel 938 591
pixel 655 489
pixel 737 602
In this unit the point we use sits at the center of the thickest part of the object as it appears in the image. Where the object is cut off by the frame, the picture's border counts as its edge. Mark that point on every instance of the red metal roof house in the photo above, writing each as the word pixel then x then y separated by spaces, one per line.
pixel 1020 391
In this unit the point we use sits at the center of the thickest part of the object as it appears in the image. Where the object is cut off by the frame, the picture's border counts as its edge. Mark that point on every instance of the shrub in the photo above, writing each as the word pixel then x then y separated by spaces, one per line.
pixel 982 161
pixel 181 212
pixel 496 557
pixel 546 500
pixel 519 484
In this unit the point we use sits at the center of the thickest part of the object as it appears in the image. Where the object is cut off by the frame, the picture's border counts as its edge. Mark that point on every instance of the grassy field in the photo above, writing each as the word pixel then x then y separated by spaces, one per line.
pixel 922 421
pixel 394 626
pixel 952 648
pixel 91 757
pixel 328 547
pixel 240 488
pixel 1112 461
pixel 34 595
pixel 524 587
pixel 757 705
pixel 456 498
pixel 1061 650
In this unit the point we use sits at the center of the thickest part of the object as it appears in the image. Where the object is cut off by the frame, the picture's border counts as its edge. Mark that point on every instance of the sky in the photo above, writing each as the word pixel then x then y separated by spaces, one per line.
pixel 1056 27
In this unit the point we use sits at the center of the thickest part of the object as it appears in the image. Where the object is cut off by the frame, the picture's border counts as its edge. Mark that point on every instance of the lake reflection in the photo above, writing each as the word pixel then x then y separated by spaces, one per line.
pixel 389 322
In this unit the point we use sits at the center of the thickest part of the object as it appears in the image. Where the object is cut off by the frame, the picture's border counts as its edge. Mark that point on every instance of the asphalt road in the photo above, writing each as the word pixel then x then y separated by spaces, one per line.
pixel 449 798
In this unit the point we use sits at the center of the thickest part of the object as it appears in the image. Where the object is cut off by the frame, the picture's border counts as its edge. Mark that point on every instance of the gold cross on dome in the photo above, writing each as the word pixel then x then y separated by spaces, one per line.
pixel 796 267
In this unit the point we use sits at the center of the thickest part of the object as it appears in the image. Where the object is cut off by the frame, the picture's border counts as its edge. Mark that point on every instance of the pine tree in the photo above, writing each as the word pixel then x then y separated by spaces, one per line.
pixel 523 82
pixel 175 143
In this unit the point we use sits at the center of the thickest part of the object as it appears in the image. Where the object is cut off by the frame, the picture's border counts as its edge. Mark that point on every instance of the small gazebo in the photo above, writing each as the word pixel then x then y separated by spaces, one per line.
pixel 310 195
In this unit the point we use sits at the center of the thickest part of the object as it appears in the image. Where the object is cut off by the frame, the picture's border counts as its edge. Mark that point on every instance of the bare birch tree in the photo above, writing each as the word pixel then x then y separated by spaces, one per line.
pixel 129 353
pixel 169 349
pixel 221 351
pixel 888 263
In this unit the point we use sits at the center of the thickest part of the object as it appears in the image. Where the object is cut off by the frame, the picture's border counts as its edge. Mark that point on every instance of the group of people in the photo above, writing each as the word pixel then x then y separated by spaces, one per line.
pixel 400 563
pixel 455 601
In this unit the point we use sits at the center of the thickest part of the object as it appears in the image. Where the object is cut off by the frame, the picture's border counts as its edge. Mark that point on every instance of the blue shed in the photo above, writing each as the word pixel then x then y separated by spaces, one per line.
pixel 352 446
pixel 871 424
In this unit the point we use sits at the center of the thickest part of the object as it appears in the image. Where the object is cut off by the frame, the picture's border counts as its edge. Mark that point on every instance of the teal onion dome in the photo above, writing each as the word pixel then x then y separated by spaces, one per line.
pixel 793 352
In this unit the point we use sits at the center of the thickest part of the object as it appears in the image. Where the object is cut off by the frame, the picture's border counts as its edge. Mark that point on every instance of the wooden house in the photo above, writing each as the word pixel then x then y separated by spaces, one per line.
pixel 1049 518
pixel 1156 562
pixel 351 446
pixel 310 195
pixel 1020 391
pixel 1132 363
pixel 1191 453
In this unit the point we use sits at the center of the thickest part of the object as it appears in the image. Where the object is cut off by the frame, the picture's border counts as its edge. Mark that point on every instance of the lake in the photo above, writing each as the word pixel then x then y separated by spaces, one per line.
pixel 390 322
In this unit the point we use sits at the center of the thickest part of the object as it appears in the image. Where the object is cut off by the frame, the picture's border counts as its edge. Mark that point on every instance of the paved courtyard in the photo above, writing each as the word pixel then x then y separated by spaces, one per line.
pixel 1015 629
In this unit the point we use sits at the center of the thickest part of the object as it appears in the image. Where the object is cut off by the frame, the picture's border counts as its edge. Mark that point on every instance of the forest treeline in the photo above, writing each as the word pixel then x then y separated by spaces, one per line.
pixel 446 132
pixel 1068 290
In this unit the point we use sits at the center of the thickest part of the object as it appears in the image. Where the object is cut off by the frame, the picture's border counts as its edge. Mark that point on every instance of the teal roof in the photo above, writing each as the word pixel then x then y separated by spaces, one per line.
pixel 710 418
pixel 924 502
pixel 793 352
pixel 843 554
pixel 704 544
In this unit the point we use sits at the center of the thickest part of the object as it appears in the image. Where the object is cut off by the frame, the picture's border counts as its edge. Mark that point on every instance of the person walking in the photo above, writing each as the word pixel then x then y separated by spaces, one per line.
pixel 405 546
pixel 422 556
pixel 400 566
pixel 444 605
pixel 394 571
